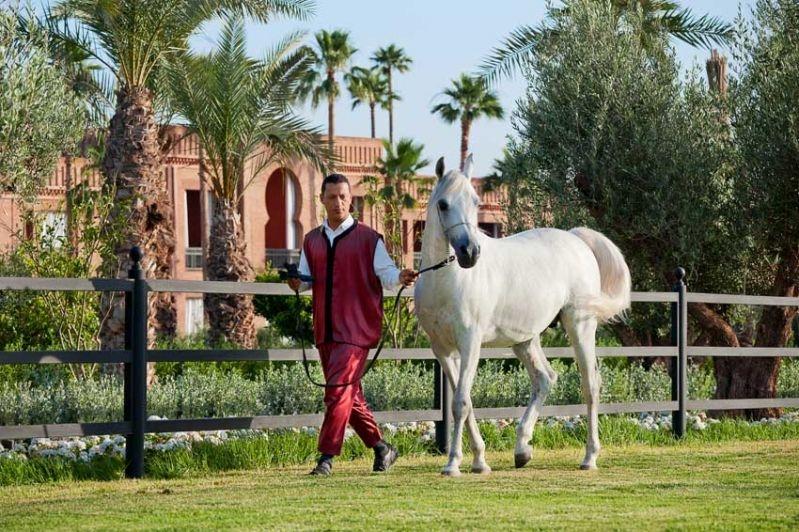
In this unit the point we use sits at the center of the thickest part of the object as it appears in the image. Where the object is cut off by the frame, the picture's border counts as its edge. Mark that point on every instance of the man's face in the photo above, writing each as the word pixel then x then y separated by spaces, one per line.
pixel 336 198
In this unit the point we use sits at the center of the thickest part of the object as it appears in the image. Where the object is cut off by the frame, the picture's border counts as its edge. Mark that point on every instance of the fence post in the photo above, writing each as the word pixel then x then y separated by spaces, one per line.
pixel 442 399
pixel 679 366
pixel 136 371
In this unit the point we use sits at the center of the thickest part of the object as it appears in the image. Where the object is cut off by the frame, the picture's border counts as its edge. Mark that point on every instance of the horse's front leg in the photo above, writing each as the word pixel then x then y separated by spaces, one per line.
pixel 451 367
pixel 469 349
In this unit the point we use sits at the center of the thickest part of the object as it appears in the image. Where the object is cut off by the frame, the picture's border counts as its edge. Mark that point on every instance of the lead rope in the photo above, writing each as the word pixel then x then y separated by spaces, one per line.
pixel 396 318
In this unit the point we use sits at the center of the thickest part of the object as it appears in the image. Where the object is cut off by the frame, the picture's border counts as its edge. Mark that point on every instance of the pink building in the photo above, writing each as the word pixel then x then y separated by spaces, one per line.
pixel 280 205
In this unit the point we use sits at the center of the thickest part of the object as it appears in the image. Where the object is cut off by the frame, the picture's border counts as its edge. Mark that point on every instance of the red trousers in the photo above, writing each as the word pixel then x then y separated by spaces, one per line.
pixel 345 404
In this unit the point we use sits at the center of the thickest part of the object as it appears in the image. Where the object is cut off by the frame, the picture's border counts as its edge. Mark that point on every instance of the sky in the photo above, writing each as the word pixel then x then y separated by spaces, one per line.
pixel 443 38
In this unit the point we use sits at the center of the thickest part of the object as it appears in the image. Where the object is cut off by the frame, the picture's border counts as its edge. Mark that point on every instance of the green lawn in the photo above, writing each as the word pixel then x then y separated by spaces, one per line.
pixel 727 485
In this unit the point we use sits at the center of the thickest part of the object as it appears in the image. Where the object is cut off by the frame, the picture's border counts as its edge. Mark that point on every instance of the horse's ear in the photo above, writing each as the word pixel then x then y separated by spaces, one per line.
pixel 440 167
pixel 468 164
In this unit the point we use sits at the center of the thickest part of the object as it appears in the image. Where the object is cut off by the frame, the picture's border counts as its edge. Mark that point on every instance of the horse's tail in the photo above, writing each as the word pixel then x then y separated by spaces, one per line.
pixel 614 274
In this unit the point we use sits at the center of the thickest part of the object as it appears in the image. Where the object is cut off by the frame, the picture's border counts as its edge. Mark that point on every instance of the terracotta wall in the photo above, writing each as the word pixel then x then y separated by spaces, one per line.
pixel 358 158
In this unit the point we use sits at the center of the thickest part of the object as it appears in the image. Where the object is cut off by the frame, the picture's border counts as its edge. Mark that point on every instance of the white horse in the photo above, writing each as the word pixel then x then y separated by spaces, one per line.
pixel 519 285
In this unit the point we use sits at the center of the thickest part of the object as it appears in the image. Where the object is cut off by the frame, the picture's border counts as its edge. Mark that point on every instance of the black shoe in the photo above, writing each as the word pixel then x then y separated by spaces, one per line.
pixel 385 458
pixel 323 468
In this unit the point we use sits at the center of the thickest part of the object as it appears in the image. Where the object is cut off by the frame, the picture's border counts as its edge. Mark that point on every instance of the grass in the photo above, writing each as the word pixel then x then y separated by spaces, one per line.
pixel 287 447
pixel 731 485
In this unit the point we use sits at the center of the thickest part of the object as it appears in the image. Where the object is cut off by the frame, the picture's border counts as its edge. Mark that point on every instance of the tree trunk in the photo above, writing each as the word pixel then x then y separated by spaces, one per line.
pixel 466 125
pixel 230 316
pixel 372 116
pixel 390 110
pixel 132 164
pixel 331 101
pixel 756 377
pixel 72 231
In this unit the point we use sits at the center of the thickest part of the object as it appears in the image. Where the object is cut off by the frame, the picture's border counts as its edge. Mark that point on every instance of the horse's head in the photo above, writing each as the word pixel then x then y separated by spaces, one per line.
pixel 454 204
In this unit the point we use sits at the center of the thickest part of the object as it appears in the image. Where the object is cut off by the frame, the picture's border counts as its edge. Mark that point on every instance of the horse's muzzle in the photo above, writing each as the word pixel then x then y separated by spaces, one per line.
pixel 467 254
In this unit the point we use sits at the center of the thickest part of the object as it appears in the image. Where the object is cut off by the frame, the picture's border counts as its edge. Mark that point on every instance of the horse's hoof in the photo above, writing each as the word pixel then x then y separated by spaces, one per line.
pixel 451 472
pixel 588 466
pixel 521 459
pixel 481 469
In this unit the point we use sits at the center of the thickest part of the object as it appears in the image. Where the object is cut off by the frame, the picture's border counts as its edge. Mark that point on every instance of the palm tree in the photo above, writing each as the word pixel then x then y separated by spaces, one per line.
pixel 469 99
pixel 332 55
pixel 369 86
pixel 658 16
pixel 134 39
pixel 240 110
pixel 399 167
pixel 391 58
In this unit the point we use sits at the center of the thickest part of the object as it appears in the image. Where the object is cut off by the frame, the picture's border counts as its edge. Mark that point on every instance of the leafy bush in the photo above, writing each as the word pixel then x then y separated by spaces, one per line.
pixel 281 311
pixel 282 388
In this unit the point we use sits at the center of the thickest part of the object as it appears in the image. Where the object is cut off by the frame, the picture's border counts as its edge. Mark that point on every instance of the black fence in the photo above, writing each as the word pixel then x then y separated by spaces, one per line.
pixel 136 355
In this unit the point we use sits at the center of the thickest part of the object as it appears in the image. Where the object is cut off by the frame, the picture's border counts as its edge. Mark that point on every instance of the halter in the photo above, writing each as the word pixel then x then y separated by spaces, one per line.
pixel 451 227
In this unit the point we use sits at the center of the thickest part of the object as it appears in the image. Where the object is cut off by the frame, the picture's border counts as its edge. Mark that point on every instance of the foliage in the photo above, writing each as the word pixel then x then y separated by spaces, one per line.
pixel 332 53
pixel 609 136
pixel 240 108
pixel 40 117
pixel 766 120
pixel 397 191
pixel 659 18
pixel 391 59
pixel 133 40
pixel 63 320
pixel 205 390
pixel 468 99
pixel 367 85
pixel 281 311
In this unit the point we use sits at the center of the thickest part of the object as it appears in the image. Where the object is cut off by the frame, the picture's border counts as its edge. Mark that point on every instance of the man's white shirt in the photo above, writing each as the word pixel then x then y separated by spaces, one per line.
pixel 384 267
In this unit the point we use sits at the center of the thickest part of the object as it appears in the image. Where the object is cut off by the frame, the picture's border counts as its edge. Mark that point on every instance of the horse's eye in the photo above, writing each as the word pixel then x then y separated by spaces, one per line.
pixel 443 205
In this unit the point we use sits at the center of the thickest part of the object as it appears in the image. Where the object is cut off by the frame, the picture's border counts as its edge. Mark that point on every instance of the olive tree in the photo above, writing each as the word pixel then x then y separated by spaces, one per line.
pixel 610 136
pixel 40 116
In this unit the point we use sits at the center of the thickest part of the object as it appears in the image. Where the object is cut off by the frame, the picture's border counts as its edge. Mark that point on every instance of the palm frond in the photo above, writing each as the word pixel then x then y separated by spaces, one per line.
pixel 696 31
pixel 240 107
pixel 447 112
pixel 507 59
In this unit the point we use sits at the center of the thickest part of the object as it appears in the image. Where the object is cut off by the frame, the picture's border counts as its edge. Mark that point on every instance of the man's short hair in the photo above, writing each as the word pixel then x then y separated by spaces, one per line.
pixel 334 179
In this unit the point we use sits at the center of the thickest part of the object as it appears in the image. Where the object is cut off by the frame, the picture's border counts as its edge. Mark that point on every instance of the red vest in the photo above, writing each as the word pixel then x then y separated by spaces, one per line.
pixel 347 294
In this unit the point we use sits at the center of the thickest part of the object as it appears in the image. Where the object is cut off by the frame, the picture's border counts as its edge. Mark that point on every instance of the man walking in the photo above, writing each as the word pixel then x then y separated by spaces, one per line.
pixel 350 267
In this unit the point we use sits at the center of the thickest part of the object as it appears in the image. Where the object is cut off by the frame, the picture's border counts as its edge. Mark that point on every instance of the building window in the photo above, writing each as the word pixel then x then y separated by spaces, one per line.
pixel 194 228
pixel 405 236
pixel 418 231
pixel 194 314
pixel 358 208
pixel 54 227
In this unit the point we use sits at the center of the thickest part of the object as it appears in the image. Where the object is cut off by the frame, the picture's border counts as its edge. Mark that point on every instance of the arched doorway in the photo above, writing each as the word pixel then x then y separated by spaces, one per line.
pixel 283 232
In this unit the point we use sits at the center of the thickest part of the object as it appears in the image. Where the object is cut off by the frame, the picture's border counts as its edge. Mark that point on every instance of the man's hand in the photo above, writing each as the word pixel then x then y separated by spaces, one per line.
pixel 407 277
pixel 294 284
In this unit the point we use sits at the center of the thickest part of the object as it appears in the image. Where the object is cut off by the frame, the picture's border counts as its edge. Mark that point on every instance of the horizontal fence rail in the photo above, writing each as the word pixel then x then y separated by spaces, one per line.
pixel 62 284
pixel 136 355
